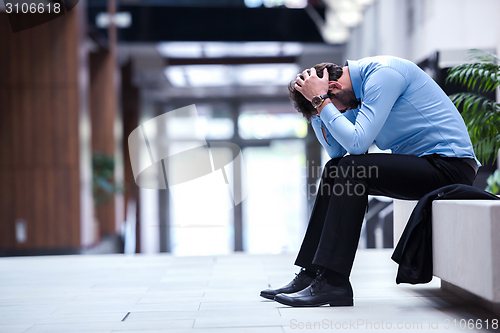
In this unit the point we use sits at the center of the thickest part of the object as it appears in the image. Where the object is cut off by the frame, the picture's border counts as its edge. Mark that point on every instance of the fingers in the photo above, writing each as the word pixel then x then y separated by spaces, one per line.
pixel 302 78
pixel 305 74
pixel 297 87
pixel 298 80
pixel 325 74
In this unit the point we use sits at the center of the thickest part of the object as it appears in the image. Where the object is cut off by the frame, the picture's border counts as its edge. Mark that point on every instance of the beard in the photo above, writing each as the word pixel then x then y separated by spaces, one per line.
pixel 347 98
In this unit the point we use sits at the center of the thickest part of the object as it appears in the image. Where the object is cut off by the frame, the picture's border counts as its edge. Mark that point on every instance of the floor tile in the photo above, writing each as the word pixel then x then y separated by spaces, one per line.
pixel 212 294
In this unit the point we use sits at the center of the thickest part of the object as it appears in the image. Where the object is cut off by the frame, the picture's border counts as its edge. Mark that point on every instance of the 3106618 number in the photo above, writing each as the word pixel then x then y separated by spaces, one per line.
pixel 32 8
pixel 471 324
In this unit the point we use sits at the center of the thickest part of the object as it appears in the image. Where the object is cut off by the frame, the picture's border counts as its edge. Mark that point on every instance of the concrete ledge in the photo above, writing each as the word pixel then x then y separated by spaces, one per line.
pixel 466 246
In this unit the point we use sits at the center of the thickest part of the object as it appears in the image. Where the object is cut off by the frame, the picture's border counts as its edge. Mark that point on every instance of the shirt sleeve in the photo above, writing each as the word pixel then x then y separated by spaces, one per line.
pixel 381 90
pixel 332 147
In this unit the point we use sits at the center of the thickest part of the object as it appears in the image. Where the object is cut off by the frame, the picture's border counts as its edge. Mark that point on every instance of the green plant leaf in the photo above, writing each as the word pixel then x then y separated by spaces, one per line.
pixel 481 115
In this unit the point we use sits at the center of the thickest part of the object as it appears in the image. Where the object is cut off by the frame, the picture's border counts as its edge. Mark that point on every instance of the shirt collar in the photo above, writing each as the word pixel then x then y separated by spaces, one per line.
pixel 355 77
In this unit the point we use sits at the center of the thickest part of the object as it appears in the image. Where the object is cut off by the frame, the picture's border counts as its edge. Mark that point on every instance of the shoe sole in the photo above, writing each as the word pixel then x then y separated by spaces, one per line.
pixel 343 302
pixel 268 296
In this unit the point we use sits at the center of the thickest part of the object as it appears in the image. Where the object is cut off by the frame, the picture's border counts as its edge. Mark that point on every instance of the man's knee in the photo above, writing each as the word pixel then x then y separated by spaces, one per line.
pixel 356 167
pixel 347 164
pixel 333 162
pixel 347 159
pixel 339 167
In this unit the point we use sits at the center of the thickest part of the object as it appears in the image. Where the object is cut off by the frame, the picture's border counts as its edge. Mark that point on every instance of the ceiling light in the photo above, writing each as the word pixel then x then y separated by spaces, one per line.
pixel 180 49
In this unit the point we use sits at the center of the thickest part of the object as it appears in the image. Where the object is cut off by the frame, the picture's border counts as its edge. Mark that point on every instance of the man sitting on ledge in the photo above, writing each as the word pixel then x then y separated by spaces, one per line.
pixel 383 100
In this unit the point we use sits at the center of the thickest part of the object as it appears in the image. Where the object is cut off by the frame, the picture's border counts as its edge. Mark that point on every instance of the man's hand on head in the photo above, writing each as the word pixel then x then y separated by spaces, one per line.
pixel 311 85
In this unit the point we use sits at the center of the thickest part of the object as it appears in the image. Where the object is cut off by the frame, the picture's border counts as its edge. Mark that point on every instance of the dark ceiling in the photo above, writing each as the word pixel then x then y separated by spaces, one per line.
pixel 152 22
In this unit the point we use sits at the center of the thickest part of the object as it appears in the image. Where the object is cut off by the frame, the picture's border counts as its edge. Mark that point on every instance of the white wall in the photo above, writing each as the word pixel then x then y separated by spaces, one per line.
pixel 382 32
pixel 457 24
pixel 389 28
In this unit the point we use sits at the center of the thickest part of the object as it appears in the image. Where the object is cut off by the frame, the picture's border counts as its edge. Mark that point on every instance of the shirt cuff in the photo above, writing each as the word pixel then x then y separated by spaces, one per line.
pixel 329 113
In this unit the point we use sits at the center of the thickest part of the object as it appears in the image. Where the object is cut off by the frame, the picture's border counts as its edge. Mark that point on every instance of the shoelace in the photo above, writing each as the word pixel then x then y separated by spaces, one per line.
pixel 318 282
pixel 299 274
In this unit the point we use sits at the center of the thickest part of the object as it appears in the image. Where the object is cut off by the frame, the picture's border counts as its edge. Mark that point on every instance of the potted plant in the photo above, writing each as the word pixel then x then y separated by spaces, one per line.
pixel 481 114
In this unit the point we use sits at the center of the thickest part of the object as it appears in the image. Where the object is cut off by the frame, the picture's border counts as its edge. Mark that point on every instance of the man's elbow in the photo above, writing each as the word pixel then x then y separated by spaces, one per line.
pixel 359 144
pixel 358 150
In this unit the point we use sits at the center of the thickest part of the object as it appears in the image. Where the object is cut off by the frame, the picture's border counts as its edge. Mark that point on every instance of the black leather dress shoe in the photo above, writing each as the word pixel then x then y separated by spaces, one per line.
pixel 300 282
pixel 319 293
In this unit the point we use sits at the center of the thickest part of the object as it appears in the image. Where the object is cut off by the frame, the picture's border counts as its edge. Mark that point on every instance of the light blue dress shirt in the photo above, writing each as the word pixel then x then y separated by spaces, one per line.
pixel 402 109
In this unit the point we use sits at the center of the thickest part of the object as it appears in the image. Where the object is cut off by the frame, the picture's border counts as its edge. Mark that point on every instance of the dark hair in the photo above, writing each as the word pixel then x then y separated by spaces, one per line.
pixel 300 103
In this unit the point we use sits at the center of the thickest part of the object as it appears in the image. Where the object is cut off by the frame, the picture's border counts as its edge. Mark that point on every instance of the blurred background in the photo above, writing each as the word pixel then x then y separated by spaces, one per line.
pixel 73 89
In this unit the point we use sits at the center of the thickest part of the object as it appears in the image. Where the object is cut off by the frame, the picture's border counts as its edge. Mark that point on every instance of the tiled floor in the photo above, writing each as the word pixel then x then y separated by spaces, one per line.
pixel 161 293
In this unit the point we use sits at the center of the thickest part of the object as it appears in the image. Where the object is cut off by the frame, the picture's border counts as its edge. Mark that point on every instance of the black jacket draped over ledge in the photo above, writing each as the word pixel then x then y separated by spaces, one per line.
pixel 414 250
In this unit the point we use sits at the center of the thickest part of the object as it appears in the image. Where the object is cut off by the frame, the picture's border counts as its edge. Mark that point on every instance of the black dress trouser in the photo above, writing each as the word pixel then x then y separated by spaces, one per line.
pixel 332 235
